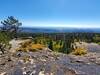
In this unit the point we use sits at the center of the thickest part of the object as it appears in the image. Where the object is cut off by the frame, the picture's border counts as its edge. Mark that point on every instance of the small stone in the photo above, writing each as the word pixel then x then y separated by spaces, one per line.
pixel 98 62
pixel 4 73
pixel 24 73
pixel 41 73
pixel 2 63
pixel 33 73
pixel 34 66
pixel 9 59
pixel 19 55
pixel 88 63
pixel 31 61
pixel 43 59
pixel 17 71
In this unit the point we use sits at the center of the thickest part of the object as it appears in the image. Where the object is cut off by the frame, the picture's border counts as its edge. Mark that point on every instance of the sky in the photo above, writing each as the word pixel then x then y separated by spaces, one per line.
pixel 53 13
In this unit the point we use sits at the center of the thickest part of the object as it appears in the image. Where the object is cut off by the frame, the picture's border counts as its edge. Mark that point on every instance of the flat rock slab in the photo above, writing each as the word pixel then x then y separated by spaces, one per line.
pixel 46 62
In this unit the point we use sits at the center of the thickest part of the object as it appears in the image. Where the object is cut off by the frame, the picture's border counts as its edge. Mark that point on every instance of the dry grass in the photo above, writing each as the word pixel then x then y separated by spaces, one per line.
pixel 37 46
pixel 29 46
pixel 79 51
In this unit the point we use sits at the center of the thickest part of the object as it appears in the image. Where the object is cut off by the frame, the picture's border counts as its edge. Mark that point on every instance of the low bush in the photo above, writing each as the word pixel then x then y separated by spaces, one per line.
pixel 80 51
pixel 37 46
pixel 4 38
pixel 29 46
pixel 4 41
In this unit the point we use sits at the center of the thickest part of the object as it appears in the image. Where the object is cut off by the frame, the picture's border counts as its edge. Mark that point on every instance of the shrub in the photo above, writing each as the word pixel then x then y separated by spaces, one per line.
pixel 50 45
pixel 29 46
pixel 26 43
pixel 80 51
pixel 4 41
pixel 37 46
pixel 57 47
pixel 4 38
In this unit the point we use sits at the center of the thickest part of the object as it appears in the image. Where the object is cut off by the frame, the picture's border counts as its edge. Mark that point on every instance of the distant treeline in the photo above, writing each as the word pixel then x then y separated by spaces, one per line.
pixel 85 37
pixel 62 42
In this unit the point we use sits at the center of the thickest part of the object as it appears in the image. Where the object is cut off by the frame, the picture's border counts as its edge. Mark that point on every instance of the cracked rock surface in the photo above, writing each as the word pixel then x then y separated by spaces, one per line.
pixel 46 62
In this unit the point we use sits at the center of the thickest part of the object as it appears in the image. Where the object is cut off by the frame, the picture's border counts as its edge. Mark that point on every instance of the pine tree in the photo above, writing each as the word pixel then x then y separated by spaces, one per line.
pixel 11 25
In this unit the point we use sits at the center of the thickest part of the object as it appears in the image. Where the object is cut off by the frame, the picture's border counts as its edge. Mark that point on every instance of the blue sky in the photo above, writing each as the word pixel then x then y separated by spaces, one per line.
pixel 53 13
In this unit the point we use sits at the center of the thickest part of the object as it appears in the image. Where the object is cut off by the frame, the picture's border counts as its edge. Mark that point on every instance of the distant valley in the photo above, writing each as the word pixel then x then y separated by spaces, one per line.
pixel 60 30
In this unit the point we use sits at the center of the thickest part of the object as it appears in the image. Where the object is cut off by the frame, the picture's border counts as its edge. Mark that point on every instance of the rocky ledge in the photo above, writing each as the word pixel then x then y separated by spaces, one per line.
pixel 46 62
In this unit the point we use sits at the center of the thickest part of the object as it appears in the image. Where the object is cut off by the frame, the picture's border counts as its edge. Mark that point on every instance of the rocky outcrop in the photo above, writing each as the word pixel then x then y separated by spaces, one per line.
pixel 46 62
pixel 34 63
pixel 90 47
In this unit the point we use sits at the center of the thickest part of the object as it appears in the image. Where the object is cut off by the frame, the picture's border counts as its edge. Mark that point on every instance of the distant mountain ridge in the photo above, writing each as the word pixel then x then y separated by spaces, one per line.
pixel 60 30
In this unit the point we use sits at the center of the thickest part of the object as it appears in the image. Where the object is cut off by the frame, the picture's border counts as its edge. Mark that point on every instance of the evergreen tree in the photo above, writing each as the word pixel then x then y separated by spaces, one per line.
pixel 11 25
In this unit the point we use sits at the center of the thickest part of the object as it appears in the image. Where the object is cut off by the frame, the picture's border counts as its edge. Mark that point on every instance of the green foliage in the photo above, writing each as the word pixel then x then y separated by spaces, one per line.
pixel 41 40
pixel 50 45
pixel 54 45
pixel 4 38
pixel 57 45
pixel 4 41
pixel 62 42
pixel 98 43
pixel 66 48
